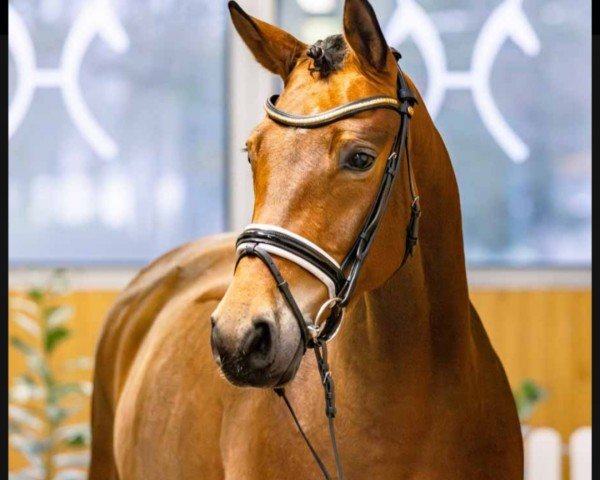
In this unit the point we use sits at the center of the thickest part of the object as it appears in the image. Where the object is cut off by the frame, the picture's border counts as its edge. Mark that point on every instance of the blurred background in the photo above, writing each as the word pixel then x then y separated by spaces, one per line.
pixel 126 124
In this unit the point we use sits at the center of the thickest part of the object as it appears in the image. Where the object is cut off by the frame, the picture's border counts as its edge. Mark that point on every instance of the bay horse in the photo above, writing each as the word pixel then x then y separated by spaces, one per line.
pixel 192 348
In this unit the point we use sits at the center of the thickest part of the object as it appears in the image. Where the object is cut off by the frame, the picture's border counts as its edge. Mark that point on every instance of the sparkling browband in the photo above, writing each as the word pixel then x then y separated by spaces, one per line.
pixel 332 115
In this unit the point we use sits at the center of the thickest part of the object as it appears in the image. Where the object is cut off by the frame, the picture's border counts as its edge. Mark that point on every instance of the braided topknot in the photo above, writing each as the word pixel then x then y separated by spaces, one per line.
pixel 321 62
pixel 327 55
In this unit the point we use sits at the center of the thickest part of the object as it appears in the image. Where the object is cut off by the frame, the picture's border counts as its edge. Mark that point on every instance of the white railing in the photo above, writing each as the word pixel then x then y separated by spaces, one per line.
pixel 545 452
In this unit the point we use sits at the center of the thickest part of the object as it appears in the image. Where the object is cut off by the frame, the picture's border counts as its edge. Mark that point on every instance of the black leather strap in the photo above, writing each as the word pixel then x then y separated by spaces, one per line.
pixel 353 262
pixel 412 230
pixel 282 285
pixel 320 350
pixel 281 392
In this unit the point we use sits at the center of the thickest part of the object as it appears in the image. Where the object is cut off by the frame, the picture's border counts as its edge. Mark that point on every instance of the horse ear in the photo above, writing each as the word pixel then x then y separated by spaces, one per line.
pixel 364 35
pixel 273 48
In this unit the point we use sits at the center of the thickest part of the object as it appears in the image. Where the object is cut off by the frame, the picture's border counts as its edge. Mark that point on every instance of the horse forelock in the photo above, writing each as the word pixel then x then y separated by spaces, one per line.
pixel 328 55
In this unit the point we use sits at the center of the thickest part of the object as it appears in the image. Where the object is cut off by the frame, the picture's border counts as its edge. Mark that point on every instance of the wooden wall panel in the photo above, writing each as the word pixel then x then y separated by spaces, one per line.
pixel 544 335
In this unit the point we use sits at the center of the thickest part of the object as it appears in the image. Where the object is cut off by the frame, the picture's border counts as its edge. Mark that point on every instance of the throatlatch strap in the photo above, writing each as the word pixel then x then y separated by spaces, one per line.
pixel 412 230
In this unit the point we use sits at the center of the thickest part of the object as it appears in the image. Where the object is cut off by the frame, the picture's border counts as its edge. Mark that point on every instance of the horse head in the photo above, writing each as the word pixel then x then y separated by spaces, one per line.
pixel 319 183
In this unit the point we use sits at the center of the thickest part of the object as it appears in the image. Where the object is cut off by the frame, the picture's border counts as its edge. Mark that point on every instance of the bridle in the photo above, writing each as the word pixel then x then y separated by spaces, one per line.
pixel 262 241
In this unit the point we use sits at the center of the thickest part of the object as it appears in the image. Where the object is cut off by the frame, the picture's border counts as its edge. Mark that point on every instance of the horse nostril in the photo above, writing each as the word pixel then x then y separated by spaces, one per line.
pixel 259 344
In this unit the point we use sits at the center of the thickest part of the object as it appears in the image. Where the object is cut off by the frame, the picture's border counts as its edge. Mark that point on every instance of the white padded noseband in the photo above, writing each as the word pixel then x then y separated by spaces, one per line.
pixel 292 257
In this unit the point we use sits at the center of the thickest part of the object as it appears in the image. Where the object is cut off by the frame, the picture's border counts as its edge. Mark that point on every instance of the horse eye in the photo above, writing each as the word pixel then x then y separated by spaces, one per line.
pixel 360 161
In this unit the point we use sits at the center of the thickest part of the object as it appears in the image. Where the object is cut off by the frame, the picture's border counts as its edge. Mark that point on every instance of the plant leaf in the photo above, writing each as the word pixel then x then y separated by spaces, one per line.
pixel 13 427
pixel 54 336
pixel 36 294
pixel 28 473
pixel 23 392
pixel 22 346
pixel 58 283
pixel 77 441
pixel 70 474
pixel 79 459
pixel 23 416
pixel 62 389
pixel 527 397
pixel 77 435
pixel 57 316
pixel 80 363
pixel 26 306
pixel 30 447
pixel 56 414
pixel 38 366
pixel 26 323
pixel 25 379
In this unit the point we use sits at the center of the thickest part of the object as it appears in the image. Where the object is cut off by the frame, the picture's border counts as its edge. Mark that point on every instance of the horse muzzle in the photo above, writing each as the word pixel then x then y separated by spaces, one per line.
pixel 255 356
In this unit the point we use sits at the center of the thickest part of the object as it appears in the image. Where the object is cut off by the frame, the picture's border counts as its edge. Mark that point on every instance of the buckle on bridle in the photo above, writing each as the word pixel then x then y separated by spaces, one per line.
pixel 320 322
pixel 415 203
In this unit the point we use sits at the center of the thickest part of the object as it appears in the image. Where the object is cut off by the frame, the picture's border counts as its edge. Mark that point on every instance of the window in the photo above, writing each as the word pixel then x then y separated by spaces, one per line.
pixel 117 128
pixel 119 123
pixel 516 124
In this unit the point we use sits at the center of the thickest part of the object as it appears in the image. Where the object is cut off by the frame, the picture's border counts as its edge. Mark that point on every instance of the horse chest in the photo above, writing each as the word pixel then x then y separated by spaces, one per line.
pixel 260 441
pixel 168 416
pixel 254 450
pixel 176 415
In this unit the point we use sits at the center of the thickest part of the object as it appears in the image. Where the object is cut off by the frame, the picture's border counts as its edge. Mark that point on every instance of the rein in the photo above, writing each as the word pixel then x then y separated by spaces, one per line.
pixel 262 241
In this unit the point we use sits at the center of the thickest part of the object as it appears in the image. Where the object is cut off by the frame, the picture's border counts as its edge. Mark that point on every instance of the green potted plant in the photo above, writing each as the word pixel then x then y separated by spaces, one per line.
pixel 44 397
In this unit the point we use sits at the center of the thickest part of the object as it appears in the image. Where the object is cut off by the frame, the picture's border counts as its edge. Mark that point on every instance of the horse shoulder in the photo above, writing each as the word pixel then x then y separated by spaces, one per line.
pixel 206 265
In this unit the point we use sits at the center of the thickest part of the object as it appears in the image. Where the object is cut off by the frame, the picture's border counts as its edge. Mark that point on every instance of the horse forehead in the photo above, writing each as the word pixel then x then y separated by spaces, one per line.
pixel 306 93
pixel 278 139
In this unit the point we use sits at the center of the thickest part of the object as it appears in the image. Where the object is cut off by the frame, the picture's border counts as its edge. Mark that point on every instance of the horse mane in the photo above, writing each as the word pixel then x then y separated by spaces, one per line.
pixel 328 55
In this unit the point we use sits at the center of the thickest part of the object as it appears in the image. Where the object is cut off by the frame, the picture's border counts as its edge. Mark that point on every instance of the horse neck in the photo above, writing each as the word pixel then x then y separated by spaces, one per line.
pixel 417 323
